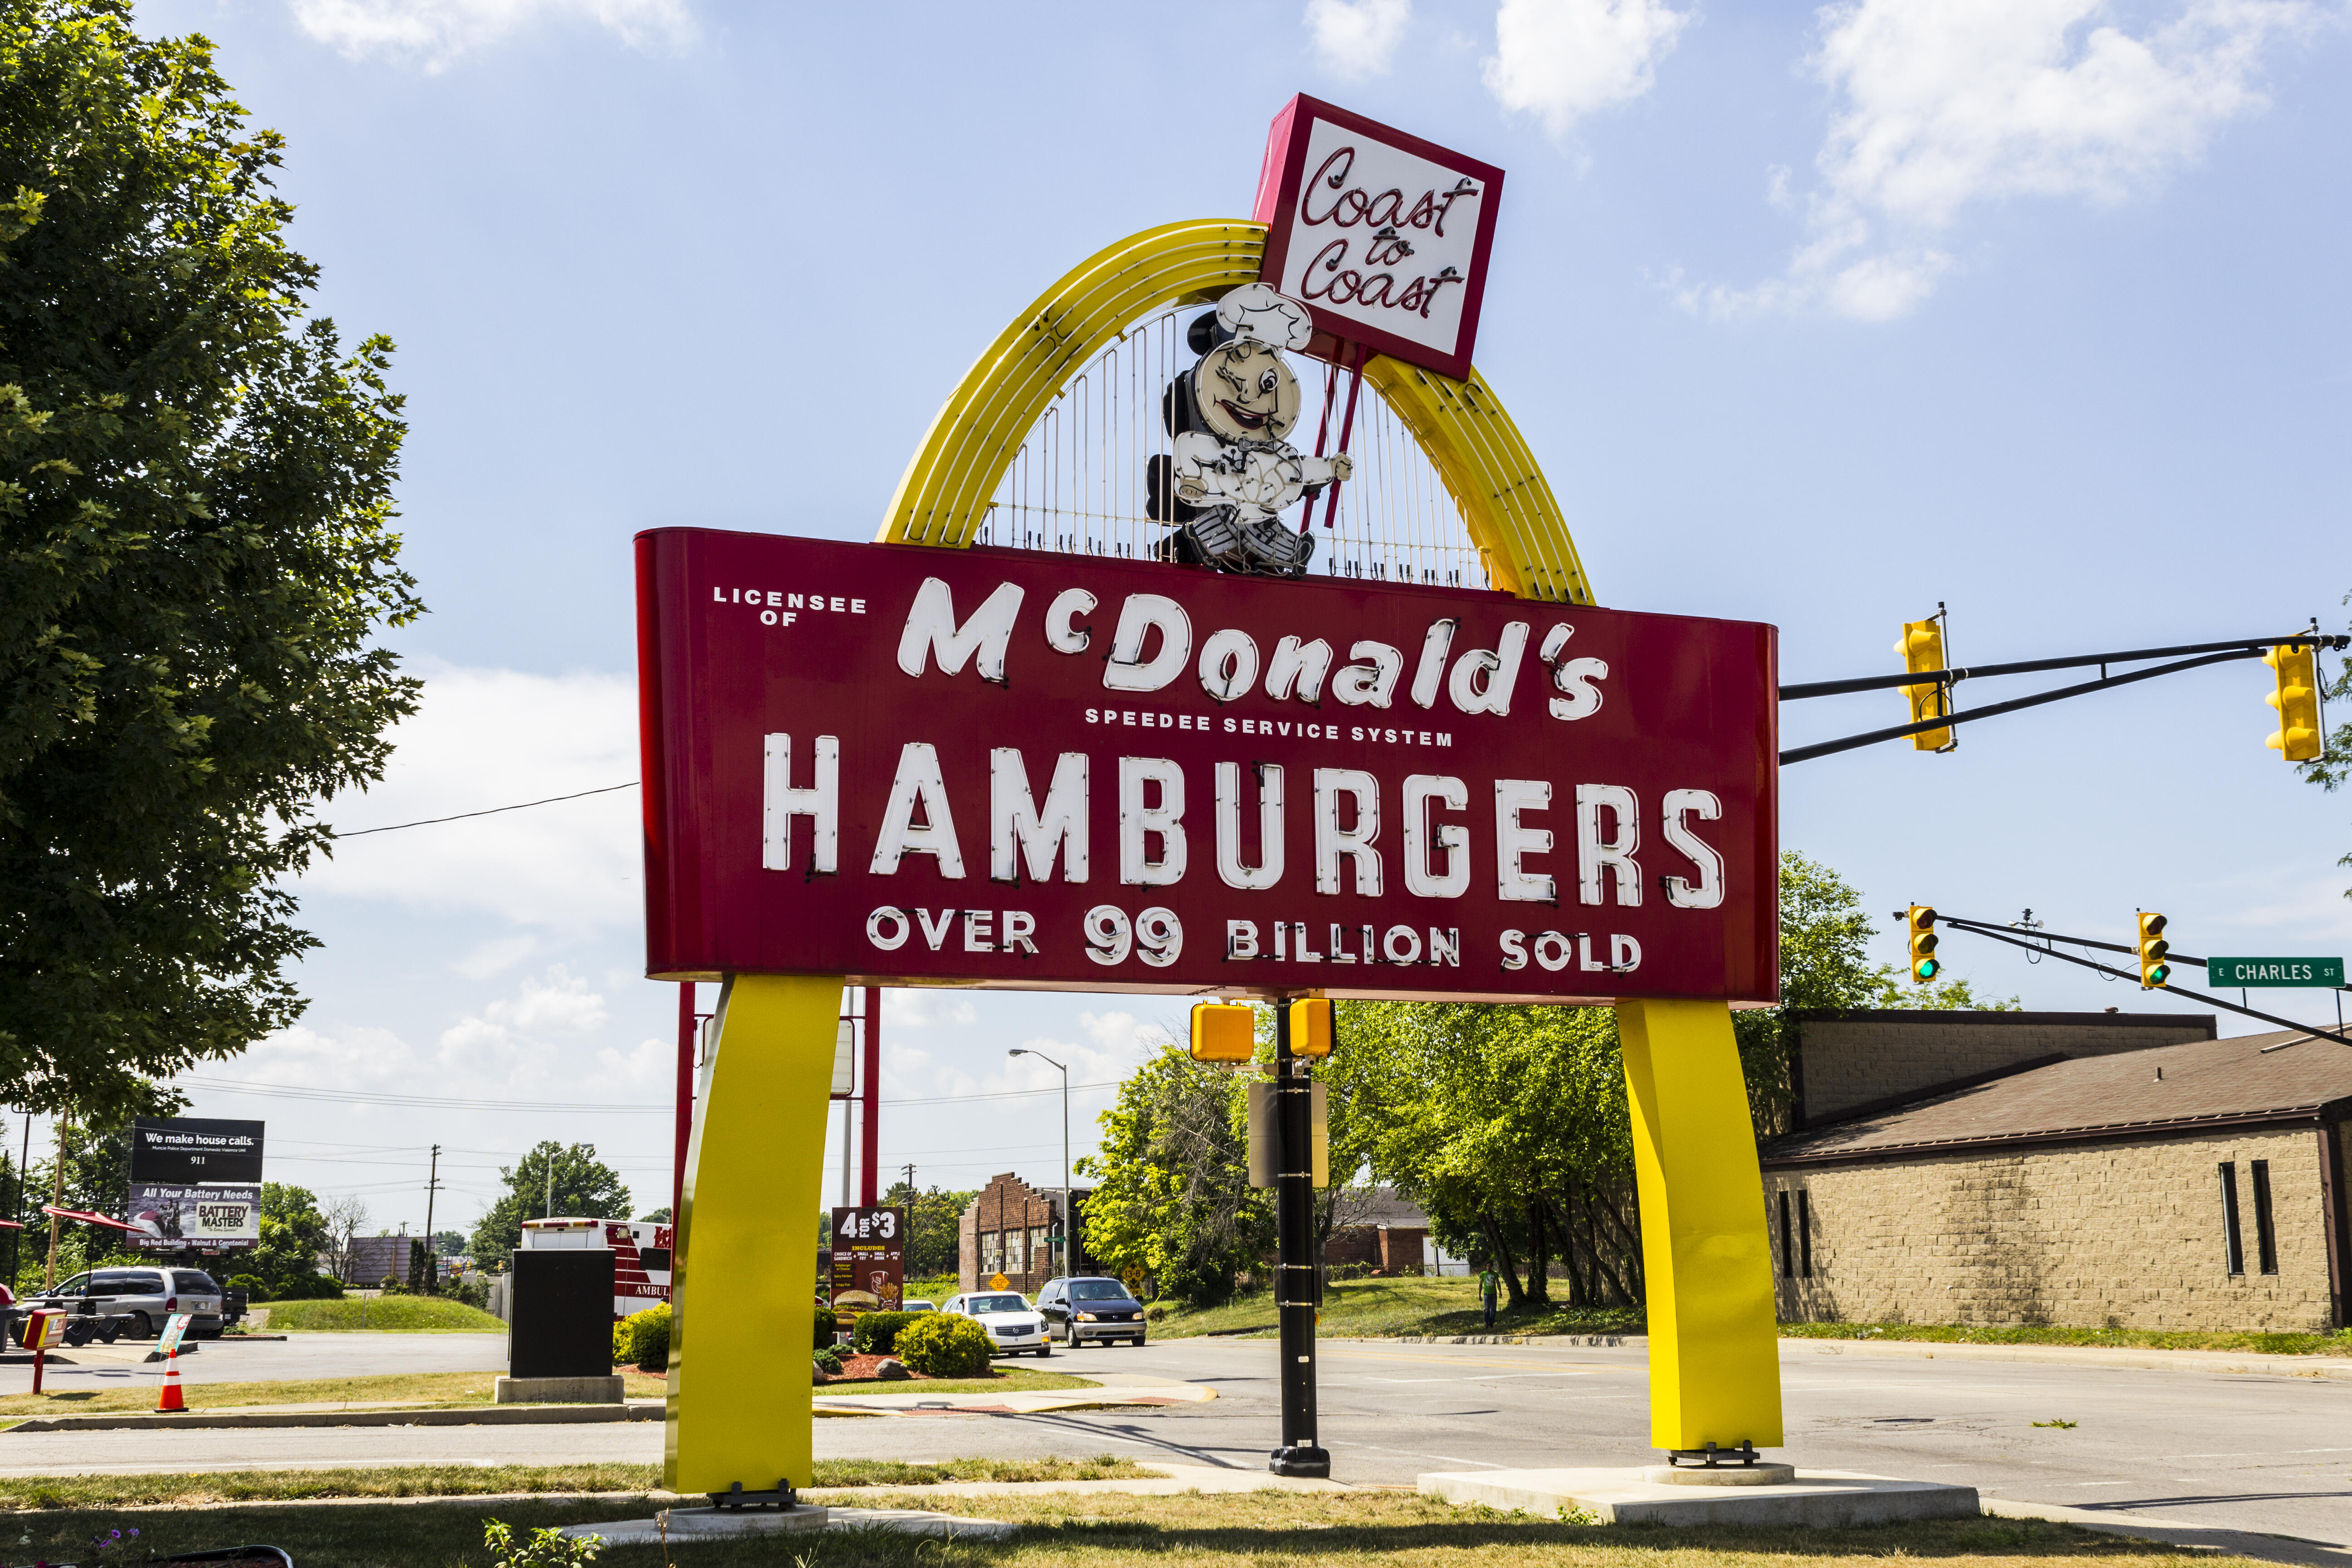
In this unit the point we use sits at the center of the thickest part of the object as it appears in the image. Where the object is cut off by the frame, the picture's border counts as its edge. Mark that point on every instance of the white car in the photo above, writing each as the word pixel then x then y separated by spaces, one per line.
pixel 1013 1324
pixel 915 1304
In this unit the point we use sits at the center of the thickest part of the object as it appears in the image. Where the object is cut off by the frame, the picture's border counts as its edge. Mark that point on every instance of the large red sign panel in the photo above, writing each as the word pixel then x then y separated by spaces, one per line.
pixel 907 765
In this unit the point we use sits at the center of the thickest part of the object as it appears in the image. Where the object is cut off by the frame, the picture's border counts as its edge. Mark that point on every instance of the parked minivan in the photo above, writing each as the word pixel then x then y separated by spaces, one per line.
pixel 1090 1310
pixel 147 1296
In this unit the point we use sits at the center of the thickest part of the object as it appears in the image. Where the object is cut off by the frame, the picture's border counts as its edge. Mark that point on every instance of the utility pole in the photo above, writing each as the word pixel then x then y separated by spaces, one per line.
pixel 910 1169
pixel 1025 1051
pixel 56 1200
pixel 432 1248
pixel 1294 1272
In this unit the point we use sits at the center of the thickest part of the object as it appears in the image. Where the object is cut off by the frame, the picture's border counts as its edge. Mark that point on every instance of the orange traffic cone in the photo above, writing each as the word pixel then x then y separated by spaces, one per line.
pixel 171 1401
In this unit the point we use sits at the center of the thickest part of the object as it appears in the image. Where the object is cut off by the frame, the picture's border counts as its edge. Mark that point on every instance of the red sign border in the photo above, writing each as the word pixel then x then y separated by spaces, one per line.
pixel 1285 171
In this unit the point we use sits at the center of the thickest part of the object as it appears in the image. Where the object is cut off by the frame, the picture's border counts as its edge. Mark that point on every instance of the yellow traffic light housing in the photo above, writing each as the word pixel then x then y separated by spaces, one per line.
pixel 1225 1033
pixel 1310 1027
pixel 1919 926
pixel 1922 649
pixel 2153 970
pixel 2297 738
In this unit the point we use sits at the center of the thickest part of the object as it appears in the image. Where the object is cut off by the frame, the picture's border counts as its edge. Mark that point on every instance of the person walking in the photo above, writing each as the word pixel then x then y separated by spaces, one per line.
pixel 1488 1282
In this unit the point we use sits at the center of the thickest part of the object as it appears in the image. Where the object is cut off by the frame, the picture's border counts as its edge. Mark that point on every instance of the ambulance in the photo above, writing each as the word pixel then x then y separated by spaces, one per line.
pixel 641 1255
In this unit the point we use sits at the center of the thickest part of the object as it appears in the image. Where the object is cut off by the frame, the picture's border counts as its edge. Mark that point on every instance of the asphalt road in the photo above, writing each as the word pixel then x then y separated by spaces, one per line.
pixel 2246 1451
pixel 235 1360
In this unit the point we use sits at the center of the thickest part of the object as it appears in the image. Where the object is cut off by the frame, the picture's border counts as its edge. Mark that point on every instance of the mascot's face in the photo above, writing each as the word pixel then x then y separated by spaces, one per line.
pixel 1245 392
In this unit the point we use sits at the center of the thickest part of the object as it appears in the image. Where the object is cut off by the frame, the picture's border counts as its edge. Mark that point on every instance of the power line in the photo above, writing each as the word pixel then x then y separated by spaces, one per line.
pixel 487 811
pixel 610 1108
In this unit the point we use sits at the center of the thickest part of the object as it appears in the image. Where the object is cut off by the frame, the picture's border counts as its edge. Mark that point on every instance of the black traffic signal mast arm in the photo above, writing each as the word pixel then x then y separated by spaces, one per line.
pixel 2037 944
pixel 2207 653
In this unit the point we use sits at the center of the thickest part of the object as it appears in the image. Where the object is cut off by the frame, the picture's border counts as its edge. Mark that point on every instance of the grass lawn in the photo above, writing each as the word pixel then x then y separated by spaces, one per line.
pixel 389 1314
pixel 421 1388
pixel 1380 1308
pixel 1390 1529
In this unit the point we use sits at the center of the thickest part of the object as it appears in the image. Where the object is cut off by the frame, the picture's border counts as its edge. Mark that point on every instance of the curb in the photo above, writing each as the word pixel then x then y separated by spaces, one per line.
pixel 2324 1366
pixel 482 1416
pixel 2198 1538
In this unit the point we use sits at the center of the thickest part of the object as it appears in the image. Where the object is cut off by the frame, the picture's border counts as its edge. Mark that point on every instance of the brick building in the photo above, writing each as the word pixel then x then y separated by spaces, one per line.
pixel 1013 1228
pixel 2198 1185
pixel 1373 1227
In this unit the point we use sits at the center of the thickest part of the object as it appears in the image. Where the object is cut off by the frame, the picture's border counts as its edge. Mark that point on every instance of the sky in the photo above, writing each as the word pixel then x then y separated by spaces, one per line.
pixel 1815 316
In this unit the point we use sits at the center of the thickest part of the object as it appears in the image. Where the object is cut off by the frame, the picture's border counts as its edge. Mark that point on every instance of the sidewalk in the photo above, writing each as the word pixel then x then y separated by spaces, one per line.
pixel 2326 1366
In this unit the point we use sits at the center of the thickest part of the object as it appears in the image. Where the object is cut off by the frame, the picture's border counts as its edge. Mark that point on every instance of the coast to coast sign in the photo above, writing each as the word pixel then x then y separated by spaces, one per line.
pixel 1215 730
pixel 1039 771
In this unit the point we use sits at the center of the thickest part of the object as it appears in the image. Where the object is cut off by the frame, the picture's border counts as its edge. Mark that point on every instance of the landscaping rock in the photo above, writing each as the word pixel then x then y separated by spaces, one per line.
pixel 892 1370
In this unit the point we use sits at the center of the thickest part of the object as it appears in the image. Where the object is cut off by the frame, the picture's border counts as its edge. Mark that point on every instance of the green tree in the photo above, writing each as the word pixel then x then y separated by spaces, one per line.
pixel 584 1187
pixel 2334 765
pixel 293 1236
pixel 934 1227
pixel 1171 1197
pixel 195 562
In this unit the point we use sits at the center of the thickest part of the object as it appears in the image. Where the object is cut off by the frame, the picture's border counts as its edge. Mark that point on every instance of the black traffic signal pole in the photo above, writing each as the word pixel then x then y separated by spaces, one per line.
pixel 1294 1269
pixel 1977 928
pixel 2212 652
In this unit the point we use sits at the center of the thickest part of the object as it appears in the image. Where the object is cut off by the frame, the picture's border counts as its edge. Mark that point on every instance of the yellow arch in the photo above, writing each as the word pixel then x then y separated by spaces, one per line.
pixel 1502 494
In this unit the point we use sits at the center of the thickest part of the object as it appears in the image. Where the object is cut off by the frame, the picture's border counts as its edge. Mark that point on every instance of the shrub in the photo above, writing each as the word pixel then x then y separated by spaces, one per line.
pixel 876 1334
pixel 546 1548
pixel 829 1359
pixel 1348 1272
pixel 309 1287
pixel 254 1287
pixel 826 1326
pixel 642 1339
pixel 1158 1314
pixel 944 1345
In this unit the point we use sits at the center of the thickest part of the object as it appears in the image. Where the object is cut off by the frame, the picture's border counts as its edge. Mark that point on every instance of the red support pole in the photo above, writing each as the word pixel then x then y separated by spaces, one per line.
pixel 869 1152
pixel 685 1098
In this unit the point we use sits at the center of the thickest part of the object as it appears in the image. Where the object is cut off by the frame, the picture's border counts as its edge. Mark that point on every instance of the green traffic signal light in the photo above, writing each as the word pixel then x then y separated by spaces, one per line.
pixel 2160 974
pixel 1926 969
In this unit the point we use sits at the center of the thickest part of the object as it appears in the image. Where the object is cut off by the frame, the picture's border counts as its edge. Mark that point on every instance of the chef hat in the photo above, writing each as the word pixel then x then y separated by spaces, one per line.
pixel 1256 311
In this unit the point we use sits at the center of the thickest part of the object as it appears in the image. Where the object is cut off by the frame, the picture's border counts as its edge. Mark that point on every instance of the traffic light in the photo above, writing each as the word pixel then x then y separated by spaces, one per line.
pixel 1224 1033
pixel 1920 925
pixel 2153 970
pixel 2297 738
pixel 1310 1027
pixel 1922 649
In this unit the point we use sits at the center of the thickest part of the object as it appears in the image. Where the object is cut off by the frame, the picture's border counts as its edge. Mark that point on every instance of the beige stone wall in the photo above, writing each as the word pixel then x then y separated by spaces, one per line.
pixel 1854 1061
pixel 2128 1232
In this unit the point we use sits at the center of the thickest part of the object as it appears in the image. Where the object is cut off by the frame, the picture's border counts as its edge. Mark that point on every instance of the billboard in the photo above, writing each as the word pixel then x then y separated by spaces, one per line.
pixel 173 1215
pixel 1006 768
pixel 869 1259
pixel 191 1150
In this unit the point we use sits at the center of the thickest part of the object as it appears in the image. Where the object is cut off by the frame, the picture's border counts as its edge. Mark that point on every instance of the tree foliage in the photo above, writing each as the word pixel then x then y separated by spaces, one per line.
pixel 195 562
pixel 1508 1126
pixel 1171 1197
pixel 2334 765
pixel 934 1227
pixel 585 1188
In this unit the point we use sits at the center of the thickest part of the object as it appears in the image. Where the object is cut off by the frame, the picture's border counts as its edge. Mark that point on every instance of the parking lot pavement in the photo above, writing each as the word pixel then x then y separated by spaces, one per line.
pixel 2266 1451
pixel 296 1356
pixel 324 1447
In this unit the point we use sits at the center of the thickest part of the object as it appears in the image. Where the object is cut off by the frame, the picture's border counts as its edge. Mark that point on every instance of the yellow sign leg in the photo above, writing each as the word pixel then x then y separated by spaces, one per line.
pixel 1714 1369
pixel 743 1298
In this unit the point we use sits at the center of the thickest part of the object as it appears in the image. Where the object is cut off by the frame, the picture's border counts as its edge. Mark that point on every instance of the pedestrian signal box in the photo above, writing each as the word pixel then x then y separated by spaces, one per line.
pixel 1310 1027
pixel 1919 926
pixel 2297 738
pixel 2153 970
pixel 1224 1032
pixel 1922 649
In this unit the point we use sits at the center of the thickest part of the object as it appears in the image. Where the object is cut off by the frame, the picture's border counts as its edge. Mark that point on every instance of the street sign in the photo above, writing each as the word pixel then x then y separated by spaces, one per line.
pixel 2256 971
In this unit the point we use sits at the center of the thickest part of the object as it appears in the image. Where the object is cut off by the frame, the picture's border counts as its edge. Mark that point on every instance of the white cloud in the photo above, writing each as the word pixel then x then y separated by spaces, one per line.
pixel 1944 105
pixel 434 31
pixel 912 1009
pixel 489 738
pixel 1563 59
pixel 1356 39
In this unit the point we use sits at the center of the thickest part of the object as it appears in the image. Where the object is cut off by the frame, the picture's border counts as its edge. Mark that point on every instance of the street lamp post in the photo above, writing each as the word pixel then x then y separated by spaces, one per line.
pixel 1067 1218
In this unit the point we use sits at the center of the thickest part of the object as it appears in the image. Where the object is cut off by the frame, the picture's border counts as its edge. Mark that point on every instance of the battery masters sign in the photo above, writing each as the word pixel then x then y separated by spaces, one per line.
pixel 1051 771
